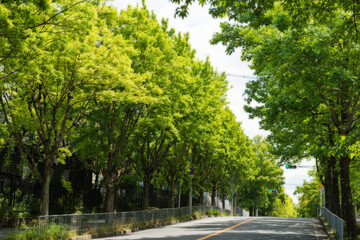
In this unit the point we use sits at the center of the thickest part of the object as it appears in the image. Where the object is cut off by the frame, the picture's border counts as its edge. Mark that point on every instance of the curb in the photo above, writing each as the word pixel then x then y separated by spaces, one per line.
pixel 83 237
pixel 129 231
pixel 327 229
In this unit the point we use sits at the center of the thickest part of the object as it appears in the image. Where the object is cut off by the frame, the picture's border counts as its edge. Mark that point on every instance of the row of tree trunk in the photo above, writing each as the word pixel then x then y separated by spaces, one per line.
pixel 338 197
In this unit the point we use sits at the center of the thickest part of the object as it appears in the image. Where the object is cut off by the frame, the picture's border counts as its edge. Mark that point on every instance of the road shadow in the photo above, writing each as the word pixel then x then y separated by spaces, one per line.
pixel 259 229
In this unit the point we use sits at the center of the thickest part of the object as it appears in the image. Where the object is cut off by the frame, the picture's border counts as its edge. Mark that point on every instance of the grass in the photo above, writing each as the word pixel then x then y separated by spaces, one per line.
pixel 225 214
pixel 50 232
pixel 54 231
pixel 214 212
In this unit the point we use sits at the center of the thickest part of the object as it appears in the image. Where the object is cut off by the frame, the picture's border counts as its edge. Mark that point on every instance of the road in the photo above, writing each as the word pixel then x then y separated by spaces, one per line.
pixel 231 228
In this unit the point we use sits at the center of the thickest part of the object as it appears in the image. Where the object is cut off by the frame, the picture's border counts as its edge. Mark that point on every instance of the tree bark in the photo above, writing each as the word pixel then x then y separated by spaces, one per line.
pixel 346 198
pixel 172 194
pixel 234 202
pixel 251 211
pixel 179 195
pixel 201 196
pixel 331 183
pixel 223 202
pixel 110 190
pixel 110 203
pixel 336 192
pixel 213 195
pixel 146 191
pixel 45 190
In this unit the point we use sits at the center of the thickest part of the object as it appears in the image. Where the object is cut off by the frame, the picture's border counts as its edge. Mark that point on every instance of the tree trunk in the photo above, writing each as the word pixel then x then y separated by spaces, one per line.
pixel 334 198
pixel 213 196
pixel 201 196
pixel 179 195
pixel 234 206
pixel 331 183
pixel 147 179
pixel 12 192
pixel 45 190
pixel 251 211
pixel 110 190
pixel 223 202
pixel 328 187
pixel 172 194
pixel 346 198
pixel 96 182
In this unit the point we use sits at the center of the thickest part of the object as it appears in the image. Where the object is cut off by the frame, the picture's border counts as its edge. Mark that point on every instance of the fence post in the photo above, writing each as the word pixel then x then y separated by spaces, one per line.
pixel 152 217
pixel 123 218
pixel 39 227
pixel 79 224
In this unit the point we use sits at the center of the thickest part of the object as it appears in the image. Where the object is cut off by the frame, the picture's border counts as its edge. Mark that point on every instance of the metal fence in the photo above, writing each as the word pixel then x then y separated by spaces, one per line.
pixel 114 221
pixel 335 222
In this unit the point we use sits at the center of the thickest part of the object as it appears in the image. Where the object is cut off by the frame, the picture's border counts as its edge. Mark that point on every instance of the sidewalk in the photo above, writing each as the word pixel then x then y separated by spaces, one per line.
pixel 320 231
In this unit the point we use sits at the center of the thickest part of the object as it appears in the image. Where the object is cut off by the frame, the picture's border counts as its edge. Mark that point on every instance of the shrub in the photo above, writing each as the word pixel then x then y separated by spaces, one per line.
pixel 196 215
pixel 24 207
pixel 226 214
pixel 212 211
pixel 50 232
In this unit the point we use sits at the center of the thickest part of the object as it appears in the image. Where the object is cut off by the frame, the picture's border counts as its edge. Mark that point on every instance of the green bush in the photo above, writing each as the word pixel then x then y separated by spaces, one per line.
pixel 196 215
pixel 214 212
pixel 4 206
pixel 50 232
pixel 183 217
pixel 24 207
pixel 225 214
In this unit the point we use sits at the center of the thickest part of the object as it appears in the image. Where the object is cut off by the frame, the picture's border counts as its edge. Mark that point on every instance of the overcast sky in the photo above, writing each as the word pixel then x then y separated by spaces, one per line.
pixel 201 27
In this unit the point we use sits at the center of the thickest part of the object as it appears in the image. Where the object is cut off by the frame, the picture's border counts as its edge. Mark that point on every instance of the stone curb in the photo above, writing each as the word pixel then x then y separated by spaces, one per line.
pixel 83 237
pixel 327 229
pixel 129 231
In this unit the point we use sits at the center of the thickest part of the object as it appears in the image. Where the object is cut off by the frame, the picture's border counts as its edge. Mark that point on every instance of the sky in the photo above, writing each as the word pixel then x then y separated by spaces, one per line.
pixel 201 27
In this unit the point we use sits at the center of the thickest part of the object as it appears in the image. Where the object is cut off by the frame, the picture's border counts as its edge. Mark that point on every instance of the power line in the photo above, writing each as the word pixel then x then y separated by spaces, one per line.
pixel 241 76
pixel 251 77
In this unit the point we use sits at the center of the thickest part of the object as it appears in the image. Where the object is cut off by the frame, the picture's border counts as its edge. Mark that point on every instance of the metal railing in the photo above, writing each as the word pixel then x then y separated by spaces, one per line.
pixel 334 221
pixel 122 220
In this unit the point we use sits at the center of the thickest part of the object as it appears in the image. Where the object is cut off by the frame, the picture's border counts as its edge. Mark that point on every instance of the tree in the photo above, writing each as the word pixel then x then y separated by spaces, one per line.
pixel 237 162
pixel 304 55
pixel 19 22
pixel 336 99
pixel 112 117
pixel 309 197
pixel 168 69
pixel 265 174
pixel 44 99
pixel 175 166
pixel 283 208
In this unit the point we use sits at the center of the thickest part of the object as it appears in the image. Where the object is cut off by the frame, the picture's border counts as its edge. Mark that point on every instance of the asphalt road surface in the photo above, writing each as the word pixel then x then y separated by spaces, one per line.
pixel 231 228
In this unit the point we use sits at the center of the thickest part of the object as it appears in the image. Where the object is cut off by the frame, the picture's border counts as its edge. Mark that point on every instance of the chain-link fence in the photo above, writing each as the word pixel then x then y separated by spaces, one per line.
pixel 102 222
pixel 334 221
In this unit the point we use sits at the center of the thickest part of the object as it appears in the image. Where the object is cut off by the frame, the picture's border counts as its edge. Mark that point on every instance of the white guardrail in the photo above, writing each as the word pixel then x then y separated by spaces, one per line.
pixel 334 221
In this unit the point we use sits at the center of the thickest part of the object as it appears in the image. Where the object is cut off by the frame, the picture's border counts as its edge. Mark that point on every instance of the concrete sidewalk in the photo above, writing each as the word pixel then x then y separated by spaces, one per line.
pixel 320 230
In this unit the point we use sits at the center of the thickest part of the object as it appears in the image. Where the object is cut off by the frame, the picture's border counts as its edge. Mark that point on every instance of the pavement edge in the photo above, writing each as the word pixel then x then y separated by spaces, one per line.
pixel 327 229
